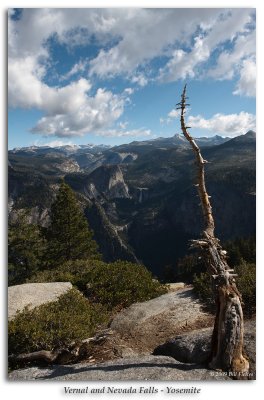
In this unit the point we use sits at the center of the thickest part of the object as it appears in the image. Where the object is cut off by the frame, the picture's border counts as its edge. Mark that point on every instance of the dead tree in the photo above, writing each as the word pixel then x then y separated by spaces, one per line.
pixel 227 339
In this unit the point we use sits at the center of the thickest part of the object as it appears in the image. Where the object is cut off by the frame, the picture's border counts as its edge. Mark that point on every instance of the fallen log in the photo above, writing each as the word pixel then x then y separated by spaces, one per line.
pixel 70 354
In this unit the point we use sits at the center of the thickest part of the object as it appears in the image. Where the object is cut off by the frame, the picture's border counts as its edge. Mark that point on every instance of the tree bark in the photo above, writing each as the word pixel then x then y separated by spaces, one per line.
pixel 227 339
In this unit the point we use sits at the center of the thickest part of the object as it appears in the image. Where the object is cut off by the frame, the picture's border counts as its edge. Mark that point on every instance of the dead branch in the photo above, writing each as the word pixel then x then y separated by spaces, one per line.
pixel 72 353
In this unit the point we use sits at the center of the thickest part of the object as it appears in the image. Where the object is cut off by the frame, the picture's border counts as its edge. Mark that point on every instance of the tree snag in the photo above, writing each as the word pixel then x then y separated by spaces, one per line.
pixel 227 339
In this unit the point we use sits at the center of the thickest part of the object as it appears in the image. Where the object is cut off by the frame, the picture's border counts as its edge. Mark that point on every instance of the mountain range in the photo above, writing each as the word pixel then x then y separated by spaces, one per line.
pixel 139 198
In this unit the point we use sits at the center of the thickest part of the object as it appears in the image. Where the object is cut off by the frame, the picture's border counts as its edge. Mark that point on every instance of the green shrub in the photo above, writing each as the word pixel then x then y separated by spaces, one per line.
pixel 77 272
pixel 246 283
pixel 203 287
pixel 122 283
pixel 55 324
pixel 117 284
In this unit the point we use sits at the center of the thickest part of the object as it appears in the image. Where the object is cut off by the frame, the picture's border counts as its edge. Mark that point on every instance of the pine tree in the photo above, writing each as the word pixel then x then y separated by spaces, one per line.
pixel 69 236
pixel 26 247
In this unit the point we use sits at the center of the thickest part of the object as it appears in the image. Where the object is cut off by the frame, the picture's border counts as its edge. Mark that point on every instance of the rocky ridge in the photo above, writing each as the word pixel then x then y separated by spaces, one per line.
pixel 150 341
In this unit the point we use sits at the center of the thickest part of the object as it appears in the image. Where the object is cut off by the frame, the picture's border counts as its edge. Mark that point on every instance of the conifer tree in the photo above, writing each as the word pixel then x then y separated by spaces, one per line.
pixel 69 236
pixel 26 247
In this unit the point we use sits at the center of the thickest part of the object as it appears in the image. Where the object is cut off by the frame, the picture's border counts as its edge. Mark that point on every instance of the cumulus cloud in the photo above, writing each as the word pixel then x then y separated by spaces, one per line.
pixel 129 91
pixel 129 40
pixel 229 26
pixel 140 79
pixel 182 64
pixel 70 110
pixel 225 124
pixel 247 83
pixel 230 61
pixel 239 61
pixel 165 37
pixel 161 31
pixel 173 114
pixel 88 114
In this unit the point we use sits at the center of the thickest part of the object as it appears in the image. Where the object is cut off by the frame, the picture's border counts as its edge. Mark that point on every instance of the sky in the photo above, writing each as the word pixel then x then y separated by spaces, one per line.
pixel 209 96
pixel 114 75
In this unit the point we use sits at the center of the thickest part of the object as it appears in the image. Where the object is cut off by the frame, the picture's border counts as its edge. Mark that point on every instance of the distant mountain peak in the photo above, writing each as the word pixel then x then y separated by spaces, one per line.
pixel 251 134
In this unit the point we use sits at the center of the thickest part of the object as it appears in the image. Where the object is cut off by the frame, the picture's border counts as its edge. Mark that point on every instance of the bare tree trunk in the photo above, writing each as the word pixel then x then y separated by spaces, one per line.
pixel 227 339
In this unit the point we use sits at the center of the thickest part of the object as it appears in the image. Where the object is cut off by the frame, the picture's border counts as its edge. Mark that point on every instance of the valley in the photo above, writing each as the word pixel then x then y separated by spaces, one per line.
pixel 139 198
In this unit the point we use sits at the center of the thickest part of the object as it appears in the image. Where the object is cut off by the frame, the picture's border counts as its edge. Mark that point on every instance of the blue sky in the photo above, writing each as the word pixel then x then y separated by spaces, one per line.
pixel 112 76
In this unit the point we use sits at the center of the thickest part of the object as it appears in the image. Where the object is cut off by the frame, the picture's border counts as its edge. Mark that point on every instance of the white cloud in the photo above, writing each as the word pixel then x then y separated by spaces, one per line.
pixel 172 29
pixel 225 124
pixel 77 68
pixel 230 61
pixel 228 26
pixel 129 91
pixel 92 115
pixel 140 79
pixel 182 64
pixel 139 34
pixel 173 114
pixel 70 110
pixel 131 38
pixel 53 143
pixel 161 31
pixel 247 83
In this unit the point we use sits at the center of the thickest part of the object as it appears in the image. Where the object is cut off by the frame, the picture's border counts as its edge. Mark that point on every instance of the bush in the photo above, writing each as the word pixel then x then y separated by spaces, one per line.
pixel 203 288
pixel 77 272
pixel 122 283
pixel 246 283
pixel 55 324
pixel 118 284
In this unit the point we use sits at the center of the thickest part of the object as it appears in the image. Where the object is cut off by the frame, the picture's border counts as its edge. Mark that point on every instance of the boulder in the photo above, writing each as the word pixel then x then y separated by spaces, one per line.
pixel 147 368
pixel 33 295
pixel 147 324
pixel 195 347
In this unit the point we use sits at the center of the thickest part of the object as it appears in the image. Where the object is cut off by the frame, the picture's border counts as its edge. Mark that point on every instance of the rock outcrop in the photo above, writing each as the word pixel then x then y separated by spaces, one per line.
pixel 106 182
pixel 33 295
pixel 146 325
pixel 137 368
